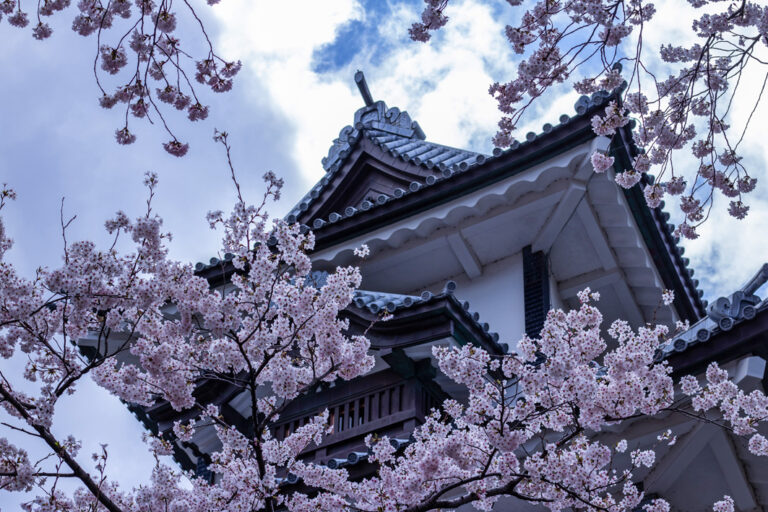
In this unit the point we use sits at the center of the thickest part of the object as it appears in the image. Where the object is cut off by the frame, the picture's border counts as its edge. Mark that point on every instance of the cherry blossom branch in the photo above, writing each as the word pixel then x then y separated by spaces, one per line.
pixel 148 36
pixel 669 114
pixel 61 452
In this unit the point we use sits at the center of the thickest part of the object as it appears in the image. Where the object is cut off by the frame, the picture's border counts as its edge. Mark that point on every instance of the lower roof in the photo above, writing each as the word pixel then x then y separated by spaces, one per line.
pixel 734 326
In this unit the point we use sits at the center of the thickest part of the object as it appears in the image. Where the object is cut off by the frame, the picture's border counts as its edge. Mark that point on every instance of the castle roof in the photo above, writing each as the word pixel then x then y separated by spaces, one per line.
pixel 733 326
pixel 396 134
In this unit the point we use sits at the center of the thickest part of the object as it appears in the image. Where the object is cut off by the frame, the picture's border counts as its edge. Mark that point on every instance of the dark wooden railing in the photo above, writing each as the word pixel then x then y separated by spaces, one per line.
pixel 384 403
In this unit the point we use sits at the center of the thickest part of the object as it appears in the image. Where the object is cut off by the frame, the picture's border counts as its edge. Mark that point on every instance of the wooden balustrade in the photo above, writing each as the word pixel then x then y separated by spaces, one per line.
pixel 383 404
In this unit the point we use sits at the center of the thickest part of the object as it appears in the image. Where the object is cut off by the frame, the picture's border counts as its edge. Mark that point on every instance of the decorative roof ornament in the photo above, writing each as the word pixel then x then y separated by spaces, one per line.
pixel 373 116
pixel 722 315
pixel 742 304
pixel 362 86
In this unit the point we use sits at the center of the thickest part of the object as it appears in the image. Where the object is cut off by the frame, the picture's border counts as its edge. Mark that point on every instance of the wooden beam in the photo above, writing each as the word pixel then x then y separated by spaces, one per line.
pixel 669 469
pixel 748 373
pixel 634 314
pixel 596 236
pixel 465 255
pixel 644 427
pixel 557 221
pixel 594 279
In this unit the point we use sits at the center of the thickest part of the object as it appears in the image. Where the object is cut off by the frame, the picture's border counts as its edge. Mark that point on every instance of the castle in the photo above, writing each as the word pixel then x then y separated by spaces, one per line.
pixel 473 248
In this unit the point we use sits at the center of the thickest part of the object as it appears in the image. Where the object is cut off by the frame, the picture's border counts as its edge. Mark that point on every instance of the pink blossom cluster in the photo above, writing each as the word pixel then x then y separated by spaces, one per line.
pixel 688 108
pixel 431 19
pixel 529 427
pixel 147 50
pixel 742 411
pixel 270 328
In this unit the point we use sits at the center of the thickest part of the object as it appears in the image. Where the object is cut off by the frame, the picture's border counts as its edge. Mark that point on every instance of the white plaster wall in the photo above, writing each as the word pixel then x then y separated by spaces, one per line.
pixel 555 301
pixel 497 295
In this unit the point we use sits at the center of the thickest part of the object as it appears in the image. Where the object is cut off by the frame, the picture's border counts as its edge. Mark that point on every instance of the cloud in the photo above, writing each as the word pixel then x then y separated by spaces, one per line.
pixel 276 41
pixel 57 142
pixel 442 84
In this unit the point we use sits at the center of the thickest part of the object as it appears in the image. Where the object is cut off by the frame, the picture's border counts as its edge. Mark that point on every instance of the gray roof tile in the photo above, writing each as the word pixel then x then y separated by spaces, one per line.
pixel 722 315
pixel 377 302
pixel 392 130
pixel 395 132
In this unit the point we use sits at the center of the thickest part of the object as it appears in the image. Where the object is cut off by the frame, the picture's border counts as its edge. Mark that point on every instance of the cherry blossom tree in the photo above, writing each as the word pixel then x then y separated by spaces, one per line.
pixel 137 43
pixel 684 103
pixel 530 428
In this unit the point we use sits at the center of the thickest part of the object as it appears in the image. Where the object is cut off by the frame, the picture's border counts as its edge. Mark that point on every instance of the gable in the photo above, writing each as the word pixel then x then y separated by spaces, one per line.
pixel 369 176
pixel 382 156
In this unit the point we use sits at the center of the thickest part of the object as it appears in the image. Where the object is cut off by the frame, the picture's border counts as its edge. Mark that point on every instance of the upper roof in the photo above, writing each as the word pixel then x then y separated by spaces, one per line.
pixel 395 133
pixel 381 170
pixel 399 136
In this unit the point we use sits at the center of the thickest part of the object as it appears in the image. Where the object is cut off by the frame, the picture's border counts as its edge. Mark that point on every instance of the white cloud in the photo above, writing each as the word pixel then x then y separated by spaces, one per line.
pixel 442 84
pixel 276 40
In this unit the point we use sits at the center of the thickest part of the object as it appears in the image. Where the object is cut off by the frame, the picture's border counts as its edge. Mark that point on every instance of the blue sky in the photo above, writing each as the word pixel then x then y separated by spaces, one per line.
pixel 293 96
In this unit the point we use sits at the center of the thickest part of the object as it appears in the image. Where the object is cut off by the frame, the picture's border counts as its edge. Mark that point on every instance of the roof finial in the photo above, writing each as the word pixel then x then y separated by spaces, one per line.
pixel 363 87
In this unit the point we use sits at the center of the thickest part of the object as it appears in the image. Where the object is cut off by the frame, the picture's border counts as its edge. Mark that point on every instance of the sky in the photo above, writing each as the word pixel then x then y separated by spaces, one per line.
pixel 293 96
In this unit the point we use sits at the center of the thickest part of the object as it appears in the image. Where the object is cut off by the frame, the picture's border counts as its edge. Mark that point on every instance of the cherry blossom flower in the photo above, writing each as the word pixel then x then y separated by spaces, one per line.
pixel 139 108
pixel 197 112
pixel 738 209
pixel 42 31
pixel 113 59
pixel 653 195
pixel 165 21
pixel 657 505
pixel 725 505
pixel 124 136
pixel 231 69
pixel 694 93
pixel 558 383
pixel 628 178
pixel 601 162
pixel 176 148
pixel 7 6
pixel 431 19
pixel 145 39
pixel 687 231
pixel 676 185
pixel 19 19
pixel 758 445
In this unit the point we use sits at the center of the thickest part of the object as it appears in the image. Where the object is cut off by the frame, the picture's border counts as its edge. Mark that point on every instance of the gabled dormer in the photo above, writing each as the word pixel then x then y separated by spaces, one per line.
pixel 382 155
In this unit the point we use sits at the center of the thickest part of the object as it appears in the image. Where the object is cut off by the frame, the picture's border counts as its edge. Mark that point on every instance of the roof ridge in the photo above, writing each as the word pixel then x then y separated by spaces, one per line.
pixel 384 302
pixel 375 122
pixel 377 117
